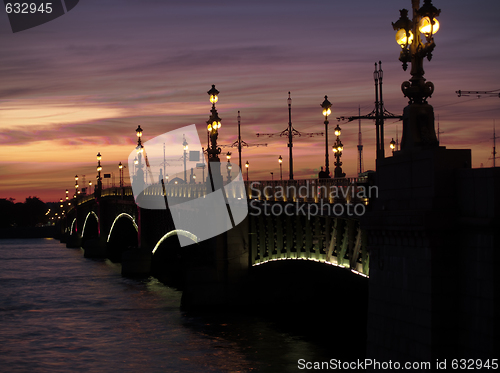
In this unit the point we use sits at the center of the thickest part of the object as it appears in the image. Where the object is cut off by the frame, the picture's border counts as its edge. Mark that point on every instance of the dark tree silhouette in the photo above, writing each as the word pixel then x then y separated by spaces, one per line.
pixel 7 212
pixel 31 213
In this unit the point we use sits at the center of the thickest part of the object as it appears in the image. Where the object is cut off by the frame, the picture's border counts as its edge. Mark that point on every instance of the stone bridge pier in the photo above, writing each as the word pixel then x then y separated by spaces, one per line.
pixel 434 243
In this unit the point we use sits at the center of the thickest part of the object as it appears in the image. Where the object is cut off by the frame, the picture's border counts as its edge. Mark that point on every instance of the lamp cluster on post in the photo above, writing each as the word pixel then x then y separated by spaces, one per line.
pixel 76 186
pixel 280 160
pixel 246 166
pixel 337 149
pixel 213 151
pixel 229 166
pixel 139 173
pixel 99 169
pixel 213 125
pixel 120 168
pixel 418 116
pixel 326 105
pixel 393 145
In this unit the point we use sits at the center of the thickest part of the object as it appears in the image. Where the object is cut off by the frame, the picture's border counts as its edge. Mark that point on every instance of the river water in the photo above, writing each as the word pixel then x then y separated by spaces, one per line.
pixel 60 312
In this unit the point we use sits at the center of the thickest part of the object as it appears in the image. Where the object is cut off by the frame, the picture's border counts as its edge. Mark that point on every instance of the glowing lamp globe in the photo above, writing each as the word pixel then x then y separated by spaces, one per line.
pixel 427 27
pixel 402 39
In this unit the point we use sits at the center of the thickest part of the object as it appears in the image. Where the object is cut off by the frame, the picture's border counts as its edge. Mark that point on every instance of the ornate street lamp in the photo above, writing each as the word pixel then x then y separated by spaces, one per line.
pixel 139 173
pixel 213 151
pixel 418 116
pixel 120 168
pixel 337 149
pixel 213 125
pixel 280 160
pixel 76 185
pixel 229 166
pixel 393 145
pixel 246 165
pixel 326 105
pixel 138 132
pixel 99 169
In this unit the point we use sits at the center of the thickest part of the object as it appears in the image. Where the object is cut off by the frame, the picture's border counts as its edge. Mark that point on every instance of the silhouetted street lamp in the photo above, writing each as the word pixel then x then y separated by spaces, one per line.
pixel 280 160
pixel 272 176
pixel 393 145
pixel 76 185
pixel 213 125
pixel 139 174
pixel 120 168
pixel 246 165
pixel 99 169
pixel 213 151
pixel 326 105
pixel 90 187
pixel 337 151
pixel 229 167
pixel 418 116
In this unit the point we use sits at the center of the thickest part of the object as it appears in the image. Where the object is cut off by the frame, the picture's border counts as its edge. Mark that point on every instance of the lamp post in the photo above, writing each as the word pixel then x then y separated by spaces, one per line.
pixel 272 176
pixel 326 105
pixel 184 155
pixel 418 116
pixel 290 134
pixel 90 187
pixel 280 160
pixel 393 145
pixel 67 196
pixel 229 167
pixel 76 185
pixel 337 149
pixel 139 174
pixel 213 151
pixel 99 169
pixel 246 165
pixel 120 168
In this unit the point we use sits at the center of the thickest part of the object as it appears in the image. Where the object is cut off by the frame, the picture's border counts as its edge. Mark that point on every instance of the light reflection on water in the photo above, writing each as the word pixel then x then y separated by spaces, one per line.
pixel 60 312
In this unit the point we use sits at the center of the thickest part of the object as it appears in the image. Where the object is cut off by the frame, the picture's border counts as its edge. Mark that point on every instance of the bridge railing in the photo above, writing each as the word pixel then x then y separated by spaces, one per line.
pixel 306 190
pixel 191 191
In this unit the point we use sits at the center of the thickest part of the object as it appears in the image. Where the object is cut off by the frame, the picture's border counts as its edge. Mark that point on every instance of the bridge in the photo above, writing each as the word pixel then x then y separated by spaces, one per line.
pixel 288 220
pixel 427 241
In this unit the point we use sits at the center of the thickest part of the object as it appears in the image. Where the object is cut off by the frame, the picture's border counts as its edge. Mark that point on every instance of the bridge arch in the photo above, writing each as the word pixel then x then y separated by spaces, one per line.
pixel 90 229
pixel 123 236
pixel 72 226
pixel 122 215
pixel 86 220
pixel 170 261
pixel 175 232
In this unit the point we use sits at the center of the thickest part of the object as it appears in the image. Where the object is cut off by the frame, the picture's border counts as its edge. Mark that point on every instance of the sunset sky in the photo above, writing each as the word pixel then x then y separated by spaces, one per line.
pixel 82 83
